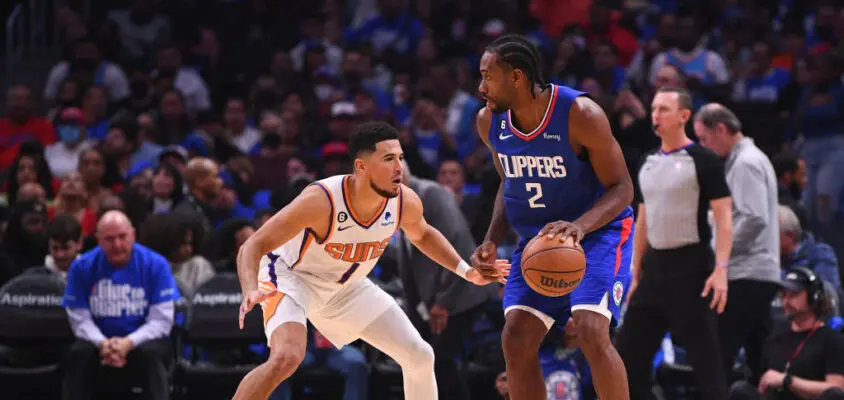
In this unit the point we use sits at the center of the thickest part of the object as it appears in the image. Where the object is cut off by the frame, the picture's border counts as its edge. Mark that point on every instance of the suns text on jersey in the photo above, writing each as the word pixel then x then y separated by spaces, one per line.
pixel 356 252
pixel 532 166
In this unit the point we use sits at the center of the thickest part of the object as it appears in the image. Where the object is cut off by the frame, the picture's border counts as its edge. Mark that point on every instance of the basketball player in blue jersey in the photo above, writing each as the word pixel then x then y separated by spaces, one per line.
pixel 563 175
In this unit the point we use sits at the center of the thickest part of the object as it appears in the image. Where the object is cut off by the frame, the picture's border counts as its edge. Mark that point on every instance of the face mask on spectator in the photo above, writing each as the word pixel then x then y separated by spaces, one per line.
pixel 69 133
pixel 323 92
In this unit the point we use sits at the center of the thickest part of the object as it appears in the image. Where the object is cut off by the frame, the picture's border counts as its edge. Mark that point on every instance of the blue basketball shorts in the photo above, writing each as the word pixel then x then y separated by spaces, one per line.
pixel 609 253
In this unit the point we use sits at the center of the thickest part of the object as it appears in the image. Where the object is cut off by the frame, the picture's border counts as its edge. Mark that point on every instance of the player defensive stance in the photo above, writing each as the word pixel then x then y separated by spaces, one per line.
pixel 311 259
pixel 563 175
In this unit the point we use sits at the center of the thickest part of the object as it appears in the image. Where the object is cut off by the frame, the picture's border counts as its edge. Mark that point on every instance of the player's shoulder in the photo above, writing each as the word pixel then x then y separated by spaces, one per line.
pixel 483 121
pixel 583 108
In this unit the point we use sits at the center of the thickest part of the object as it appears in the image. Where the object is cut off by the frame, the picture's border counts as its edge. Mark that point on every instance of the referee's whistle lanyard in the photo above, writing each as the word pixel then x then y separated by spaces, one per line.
pixel 799 348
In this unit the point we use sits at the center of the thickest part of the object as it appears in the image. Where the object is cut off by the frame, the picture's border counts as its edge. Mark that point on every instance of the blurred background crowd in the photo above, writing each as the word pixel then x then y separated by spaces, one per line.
pixel 200 119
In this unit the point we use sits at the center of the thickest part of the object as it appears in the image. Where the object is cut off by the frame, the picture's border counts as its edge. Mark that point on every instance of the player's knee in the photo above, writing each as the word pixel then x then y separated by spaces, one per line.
pixel 519 341
pixel 421 355
pixel 285 359
pixel 592 329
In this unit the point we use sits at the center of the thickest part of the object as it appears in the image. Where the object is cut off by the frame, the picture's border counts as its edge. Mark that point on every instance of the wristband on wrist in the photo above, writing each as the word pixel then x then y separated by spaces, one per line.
pixel 462 269
pixel 787 381
pixel 720 264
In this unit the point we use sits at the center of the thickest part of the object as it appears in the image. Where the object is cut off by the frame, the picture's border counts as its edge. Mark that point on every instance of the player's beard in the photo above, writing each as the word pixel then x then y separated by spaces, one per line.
pixel 382 192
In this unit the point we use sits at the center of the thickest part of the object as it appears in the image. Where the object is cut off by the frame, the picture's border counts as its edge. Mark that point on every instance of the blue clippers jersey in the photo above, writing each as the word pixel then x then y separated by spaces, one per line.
pixel 545 181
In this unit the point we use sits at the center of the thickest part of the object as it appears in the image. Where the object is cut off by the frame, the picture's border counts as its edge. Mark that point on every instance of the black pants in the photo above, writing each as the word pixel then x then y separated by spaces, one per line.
pixel 746 322
pixel 448 351
pixel 148 362
pixel 743 390
pixel 668 300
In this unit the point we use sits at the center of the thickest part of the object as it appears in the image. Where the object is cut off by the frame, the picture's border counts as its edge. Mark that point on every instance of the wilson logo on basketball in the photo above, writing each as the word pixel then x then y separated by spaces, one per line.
pixel 557 283
pixel 356 252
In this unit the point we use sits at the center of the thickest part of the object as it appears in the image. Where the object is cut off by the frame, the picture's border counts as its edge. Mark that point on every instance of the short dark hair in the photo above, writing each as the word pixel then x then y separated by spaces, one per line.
pixel 365 136
pixel 519 53
pixel 711 115
pixel 785 162
pixel 684 98
pixel 64 228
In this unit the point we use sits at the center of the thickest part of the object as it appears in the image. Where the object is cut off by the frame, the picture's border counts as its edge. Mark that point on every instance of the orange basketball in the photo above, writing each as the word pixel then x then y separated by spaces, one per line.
pixel 553 268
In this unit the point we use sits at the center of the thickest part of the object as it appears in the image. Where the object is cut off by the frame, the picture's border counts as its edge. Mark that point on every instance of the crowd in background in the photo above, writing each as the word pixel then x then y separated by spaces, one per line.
pixel 199 120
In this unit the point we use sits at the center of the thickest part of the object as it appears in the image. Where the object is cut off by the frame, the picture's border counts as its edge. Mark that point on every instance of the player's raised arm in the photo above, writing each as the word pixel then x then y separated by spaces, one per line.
pixel 590 128
pixel 433 244
pixel 306 211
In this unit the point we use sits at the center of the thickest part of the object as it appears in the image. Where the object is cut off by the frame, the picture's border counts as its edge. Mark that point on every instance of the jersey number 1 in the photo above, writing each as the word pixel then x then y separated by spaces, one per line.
pixel 534 201
pixel 348 274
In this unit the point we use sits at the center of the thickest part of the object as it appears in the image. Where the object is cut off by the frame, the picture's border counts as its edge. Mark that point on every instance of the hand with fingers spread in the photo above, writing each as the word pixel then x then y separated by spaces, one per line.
pixel 483 261
pixel 564 230
pixel 717 284
pixel 503 268
pixel 252 299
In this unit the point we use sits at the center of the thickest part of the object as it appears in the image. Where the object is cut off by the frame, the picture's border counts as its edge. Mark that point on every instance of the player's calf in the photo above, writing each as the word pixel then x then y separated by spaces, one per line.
pixel 593 336
pixel 522 335
pixel 287 350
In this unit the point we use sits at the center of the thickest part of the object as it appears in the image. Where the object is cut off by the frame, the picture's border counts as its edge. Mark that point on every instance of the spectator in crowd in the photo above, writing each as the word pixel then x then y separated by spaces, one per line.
pixel 706 73
pixel 87 67
pixel 92 166
pixel 186 81
pixel 72 200
pixel 64 238
pixel 820 123
pixel 453 177
pixel 63 156
pixel 204 186
pixel 230 236
pixel 120 302
pixel 28 168
pixel 806 359
pixel 141 30
pixel 443 307
pixel 791 179
pixel 25 243
pixel 167 189
pixel 801 249
pixel 21 125
pixel 32 191
pixel 241 135
pixel 754 266
pixel 179 239
pixel 95 109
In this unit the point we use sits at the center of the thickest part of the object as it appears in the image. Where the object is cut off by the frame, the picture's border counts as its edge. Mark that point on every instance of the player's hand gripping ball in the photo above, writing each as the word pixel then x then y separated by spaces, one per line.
pixel 552 267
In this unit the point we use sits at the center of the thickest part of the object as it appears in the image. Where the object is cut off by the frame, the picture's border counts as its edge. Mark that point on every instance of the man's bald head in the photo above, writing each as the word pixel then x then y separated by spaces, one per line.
pixel 202 178
pixel 114 217
pixel 116 237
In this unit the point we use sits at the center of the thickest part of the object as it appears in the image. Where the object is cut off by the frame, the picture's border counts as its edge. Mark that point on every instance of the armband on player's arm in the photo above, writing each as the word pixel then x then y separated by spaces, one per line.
pixel 462 269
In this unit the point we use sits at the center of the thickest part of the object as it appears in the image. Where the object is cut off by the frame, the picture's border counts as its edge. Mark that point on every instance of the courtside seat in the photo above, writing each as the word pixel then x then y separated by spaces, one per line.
pixel 34 336
pixel 218 354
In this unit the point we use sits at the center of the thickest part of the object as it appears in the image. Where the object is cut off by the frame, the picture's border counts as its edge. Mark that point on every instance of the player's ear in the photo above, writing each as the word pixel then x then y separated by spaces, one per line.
pixel 516 76
pixel 359 164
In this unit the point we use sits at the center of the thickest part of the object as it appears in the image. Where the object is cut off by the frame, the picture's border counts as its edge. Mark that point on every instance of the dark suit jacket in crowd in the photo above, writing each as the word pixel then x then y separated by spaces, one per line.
pixel 426 281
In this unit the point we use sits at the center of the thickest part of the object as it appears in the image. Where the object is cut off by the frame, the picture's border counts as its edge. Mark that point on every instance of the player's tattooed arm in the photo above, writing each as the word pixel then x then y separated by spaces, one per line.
pixel 498 224
pixel 591 133
pixel 308 210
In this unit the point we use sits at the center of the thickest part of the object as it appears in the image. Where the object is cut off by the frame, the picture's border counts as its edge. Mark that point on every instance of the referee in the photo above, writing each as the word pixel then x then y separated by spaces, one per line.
pixel 679 283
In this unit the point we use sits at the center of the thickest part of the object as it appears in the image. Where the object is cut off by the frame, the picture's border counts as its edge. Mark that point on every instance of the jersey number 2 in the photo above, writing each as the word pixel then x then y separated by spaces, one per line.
pixel 533 201
pixel 348 274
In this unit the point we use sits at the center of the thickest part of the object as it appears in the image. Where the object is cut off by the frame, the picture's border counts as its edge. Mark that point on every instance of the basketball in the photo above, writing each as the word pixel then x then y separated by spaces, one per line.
pixel 553 268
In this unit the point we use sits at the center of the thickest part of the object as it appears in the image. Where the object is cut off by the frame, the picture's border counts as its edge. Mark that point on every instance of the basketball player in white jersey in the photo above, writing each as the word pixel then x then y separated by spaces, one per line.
pixel 310 262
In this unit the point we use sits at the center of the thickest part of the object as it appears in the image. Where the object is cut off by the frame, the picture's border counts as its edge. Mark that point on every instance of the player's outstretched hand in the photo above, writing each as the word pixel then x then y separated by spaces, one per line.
pixel 503 268
pixel 250 300
pixel 483 260
pixel 564 230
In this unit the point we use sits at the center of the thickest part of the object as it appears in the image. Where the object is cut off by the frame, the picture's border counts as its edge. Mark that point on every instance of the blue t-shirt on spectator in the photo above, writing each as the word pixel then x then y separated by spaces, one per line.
pixel 401 34
pixel 119 298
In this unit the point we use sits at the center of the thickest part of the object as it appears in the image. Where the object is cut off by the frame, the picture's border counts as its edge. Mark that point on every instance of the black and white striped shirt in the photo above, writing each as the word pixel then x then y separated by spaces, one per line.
pixel 676 189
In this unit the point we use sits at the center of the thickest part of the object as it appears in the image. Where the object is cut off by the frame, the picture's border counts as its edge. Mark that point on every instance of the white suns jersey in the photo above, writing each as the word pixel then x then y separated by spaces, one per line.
pixel 349 251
